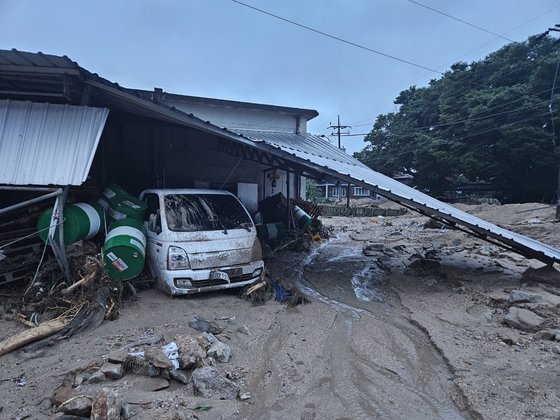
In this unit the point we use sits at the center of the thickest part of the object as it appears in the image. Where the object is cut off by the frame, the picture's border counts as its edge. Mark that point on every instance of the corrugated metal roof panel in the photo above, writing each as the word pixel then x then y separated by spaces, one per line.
pixel 22 58
pixel 312 151
pixel 47 144
pixel 306 143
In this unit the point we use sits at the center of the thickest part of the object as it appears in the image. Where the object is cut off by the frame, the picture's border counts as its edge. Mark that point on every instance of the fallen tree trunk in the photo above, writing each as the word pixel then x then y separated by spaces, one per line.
pixel 46 329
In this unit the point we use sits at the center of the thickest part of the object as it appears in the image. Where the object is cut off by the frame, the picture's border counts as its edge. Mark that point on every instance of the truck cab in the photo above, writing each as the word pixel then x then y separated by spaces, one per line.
pixel 200 240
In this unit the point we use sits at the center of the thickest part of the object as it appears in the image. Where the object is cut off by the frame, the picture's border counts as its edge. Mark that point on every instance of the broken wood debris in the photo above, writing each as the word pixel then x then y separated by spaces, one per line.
pixel 65 309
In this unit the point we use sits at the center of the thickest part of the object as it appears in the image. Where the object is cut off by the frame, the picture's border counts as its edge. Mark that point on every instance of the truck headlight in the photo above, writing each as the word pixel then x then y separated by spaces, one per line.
pixel 177 258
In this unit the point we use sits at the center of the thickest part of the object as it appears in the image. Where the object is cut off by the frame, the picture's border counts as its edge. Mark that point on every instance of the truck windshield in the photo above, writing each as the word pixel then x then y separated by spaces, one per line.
pixel 203 212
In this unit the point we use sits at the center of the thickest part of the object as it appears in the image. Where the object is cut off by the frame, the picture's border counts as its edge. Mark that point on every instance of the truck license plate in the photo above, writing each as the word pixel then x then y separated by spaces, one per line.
pixel 219 275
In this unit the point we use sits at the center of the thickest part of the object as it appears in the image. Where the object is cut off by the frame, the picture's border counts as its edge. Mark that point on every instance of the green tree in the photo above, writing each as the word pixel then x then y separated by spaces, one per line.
pixel 487 120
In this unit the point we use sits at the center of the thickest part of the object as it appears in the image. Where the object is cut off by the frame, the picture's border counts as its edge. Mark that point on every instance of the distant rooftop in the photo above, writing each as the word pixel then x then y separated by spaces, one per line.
pixel 159 95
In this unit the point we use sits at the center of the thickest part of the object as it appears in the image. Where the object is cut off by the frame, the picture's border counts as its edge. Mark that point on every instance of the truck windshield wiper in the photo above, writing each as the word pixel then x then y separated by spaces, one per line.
pixel 247 226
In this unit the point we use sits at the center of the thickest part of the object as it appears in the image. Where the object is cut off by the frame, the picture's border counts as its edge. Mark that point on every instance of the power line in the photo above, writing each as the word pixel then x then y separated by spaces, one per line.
pixel 468 52
pixel 460 20
pixel 477 118
pixel 354 44
pixel 484 131
pixel 522 98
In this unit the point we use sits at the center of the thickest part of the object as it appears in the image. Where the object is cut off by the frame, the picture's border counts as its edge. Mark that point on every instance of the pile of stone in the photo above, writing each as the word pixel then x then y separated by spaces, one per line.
pixel 188 360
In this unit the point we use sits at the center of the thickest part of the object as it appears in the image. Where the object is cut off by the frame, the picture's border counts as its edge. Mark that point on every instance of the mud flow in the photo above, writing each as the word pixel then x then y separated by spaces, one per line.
pixel 383 365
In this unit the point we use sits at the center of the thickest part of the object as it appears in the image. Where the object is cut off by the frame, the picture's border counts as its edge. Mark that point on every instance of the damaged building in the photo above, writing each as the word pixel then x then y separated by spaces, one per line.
pixel 67 132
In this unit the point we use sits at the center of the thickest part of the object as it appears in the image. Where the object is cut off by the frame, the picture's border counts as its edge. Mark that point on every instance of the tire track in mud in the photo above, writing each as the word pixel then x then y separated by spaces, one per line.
pixel 404 376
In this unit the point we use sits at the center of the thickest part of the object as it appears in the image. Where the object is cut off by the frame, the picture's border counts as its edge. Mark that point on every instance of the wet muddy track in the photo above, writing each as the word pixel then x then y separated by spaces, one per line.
pixel 383 365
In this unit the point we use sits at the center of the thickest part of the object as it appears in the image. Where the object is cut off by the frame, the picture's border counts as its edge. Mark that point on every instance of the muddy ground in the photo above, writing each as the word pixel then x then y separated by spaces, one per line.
pixel 387 334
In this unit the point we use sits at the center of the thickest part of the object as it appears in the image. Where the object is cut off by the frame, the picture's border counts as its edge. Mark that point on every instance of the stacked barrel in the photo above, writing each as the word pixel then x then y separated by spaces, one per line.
pixel 124 251
pixel 117 213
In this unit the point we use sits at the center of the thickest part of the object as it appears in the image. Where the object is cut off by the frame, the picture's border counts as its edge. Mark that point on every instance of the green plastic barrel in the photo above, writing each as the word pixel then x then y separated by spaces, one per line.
pixel 124 250
pixel 121 207
pixel 81 221
pixel 112 190
pixel 271 231
pixel 302 219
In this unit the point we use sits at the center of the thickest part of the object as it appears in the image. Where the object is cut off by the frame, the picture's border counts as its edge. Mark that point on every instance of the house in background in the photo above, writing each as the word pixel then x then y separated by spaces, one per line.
pixel 339 191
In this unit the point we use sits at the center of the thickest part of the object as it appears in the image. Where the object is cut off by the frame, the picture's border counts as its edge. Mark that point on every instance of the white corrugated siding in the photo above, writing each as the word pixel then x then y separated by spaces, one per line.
pixel 48 144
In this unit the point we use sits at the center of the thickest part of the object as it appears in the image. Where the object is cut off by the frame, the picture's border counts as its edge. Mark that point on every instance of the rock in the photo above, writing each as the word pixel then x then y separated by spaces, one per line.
pixel 203 325
pixel 157 358
pixel 523 319
pixel 211 338
pixel 97 377
pixel 117 356
pixel 190 351
pixel 424 267
pixel 220 351
pixel 520 296
pixel 63 393
pixel 555 349
pixel 139 366
pixel 244 330
pixel 434 224
pixel 373 250
pixel 146 384
pixel 547 274
pixel 546 335
pixel 78 406
pixel 80 378
pixel 209 383
pixel 128 411
pixel 107 405
pixel 112 370
pixel 180 376
pixel 245 396
pixel 159 384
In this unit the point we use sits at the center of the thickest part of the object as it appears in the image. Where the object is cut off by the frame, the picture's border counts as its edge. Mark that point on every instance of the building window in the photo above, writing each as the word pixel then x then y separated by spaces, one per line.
pixel 361 192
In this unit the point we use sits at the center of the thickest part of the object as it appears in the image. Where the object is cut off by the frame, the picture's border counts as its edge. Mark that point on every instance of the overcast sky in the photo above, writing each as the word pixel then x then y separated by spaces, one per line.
pixel 220 49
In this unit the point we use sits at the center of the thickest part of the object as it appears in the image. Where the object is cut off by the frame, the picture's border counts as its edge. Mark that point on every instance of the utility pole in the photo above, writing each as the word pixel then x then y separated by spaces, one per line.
pixel 339 127
pixel 556 29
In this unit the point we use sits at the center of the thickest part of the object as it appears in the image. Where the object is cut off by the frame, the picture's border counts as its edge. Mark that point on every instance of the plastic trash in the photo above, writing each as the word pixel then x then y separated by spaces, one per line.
pixel 280 294
pixel 172 352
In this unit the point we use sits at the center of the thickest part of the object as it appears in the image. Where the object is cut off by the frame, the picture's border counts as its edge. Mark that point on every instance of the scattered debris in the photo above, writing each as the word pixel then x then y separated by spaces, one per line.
pixel 546 274
pixel 208 382
pixel 520 296
pixel 172 352
pixel 203 325
pixel 523 319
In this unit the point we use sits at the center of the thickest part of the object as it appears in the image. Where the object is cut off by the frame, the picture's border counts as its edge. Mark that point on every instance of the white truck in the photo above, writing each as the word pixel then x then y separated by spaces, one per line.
pixel 200 240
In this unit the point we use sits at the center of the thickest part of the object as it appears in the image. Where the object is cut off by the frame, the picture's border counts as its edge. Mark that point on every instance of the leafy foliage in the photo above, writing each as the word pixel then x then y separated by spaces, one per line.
pixel 484 121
